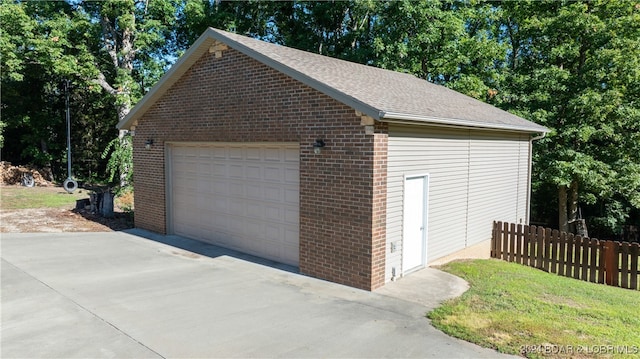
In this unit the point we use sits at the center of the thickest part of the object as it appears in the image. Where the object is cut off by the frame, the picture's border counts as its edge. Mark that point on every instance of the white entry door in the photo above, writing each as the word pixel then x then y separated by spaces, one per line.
pixel 414 241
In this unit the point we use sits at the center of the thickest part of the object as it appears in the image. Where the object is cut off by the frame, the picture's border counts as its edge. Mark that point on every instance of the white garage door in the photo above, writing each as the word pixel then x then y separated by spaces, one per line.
pixel 243 196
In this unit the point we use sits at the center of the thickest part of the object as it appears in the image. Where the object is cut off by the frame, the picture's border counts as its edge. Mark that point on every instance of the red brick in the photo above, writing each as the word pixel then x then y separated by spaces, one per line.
pixel 342 190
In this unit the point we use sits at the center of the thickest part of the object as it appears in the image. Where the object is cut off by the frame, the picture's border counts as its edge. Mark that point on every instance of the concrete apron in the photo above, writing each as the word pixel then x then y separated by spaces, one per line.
pixel 116 294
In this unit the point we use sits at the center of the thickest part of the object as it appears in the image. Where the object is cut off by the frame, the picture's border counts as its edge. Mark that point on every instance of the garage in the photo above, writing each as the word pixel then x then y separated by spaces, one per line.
pixel 243 196
pixel 314 161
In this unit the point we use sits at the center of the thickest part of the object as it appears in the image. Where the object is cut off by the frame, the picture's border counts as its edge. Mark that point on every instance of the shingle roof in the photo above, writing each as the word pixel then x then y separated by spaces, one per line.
pixel 381 94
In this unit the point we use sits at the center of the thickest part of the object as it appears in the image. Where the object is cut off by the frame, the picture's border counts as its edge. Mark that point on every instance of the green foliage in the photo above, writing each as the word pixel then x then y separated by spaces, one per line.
pixel 573 66
pixel 120 165
pixel 2 126
pixel 112 52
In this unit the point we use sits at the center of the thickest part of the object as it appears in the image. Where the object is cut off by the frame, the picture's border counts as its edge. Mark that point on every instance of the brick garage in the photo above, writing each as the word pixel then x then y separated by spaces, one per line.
pixel 234 96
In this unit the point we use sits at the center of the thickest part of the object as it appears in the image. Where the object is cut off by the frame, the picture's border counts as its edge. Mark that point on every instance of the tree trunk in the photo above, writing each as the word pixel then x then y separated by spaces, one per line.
pixel 122 51
pixel 562 209
pixel 577 225
pixel 573 203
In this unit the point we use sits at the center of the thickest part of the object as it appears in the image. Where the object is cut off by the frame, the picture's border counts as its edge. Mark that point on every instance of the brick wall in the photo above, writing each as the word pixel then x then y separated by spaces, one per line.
pixel 342 190
pixel 379 210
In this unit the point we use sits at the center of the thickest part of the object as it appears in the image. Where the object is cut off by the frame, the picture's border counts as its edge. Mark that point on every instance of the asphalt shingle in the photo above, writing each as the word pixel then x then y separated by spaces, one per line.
pixel 390 95
pixel 381 94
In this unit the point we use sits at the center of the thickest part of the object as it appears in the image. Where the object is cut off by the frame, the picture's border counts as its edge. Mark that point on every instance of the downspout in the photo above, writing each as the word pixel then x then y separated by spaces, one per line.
pixel 539 137
pixel 535 138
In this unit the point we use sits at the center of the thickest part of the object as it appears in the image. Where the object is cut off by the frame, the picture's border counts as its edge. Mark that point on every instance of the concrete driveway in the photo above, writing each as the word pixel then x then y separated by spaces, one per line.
pixel 120 295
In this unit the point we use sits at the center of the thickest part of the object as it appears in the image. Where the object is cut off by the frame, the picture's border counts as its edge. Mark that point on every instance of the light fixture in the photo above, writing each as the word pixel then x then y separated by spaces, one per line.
pixel 148 143
pixel 317 146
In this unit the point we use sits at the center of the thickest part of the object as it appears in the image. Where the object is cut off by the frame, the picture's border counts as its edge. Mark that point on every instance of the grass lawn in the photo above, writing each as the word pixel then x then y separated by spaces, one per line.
pixel 18 197
pixel 521 310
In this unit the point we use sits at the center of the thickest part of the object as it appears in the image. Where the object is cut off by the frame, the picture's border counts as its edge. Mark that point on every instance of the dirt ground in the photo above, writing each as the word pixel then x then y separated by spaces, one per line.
pixel 66 219
pixel 58 220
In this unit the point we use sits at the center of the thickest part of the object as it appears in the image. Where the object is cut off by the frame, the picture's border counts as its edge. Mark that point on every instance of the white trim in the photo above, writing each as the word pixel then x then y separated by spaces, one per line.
pixel 234 143
pixel 409 119
pixel 168 196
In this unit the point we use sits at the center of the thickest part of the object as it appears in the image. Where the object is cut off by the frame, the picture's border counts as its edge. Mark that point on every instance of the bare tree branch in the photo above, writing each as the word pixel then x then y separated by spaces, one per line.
pixel 102 81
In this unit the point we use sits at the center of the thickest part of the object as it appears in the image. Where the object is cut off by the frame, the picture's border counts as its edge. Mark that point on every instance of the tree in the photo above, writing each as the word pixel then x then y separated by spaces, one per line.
pixel 252 18
pixel 40 51
pixel 574 67
pixel 111 51
pixel 135 45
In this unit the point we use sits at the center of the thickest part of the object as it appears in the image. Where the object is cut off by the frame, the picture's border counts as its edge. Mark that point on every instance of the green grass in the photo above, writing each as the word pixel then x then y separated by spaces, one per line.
pixel 17 197
pixel 511 307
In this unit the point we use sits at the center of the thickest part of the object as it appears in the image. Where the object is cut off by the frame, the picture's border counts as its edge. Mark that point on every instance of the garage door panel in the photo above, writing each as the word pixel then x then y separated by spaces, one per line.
pixel 270 250
pixel 253 154
pixel 291 194
pixel 292 175
pixel 218 188
pixel 203 203
pixel 218 169
pixel 254 191
pixel 255 210
pixel 292 157
pixel 272 154
pixel 250 227
pixel 215 203
pixel 236 226
pixel 273 194
pixel 241 196
pixel 220 222
pixel 203 185
pixel 253 172
pixel 219 153
pixel 273 174
pixel 236 208
pixel 235 171
pixel 236 189
pixel 204 169
pixel 291 238
pixel 273 232
pixel 291 215
pixel 273 213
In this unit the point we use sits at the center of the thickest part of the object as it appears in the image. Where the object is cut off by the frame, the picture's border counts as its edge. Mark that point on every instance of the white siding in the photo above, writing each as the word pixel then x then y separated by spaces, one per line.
pixel 497 182
pixel 475 177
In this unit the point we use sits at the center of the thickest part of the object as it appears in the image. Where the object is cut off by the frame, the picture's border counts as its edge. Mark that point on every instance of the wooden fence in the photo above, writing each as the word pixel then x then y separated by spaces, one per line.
pixel 588 259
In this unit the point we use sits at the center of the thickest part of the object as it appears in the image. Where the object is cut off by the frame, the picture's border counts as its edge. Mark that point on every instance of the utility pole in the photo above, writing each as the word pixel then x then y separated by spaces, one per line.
pixel 70 185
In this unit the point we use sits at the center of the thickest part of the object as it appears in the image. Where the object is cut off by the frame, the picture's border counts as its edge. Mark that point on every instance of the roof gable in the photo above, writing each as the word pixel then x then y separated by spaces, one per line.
pixel 381 94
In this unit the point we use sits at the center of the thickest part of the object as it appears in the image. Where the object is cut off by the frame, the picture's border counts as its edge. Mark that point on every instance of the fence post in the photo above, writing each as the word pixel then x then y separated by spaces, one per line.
pixel 493 240
pixel 635 249
pixel 610 262
pixel 602 260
